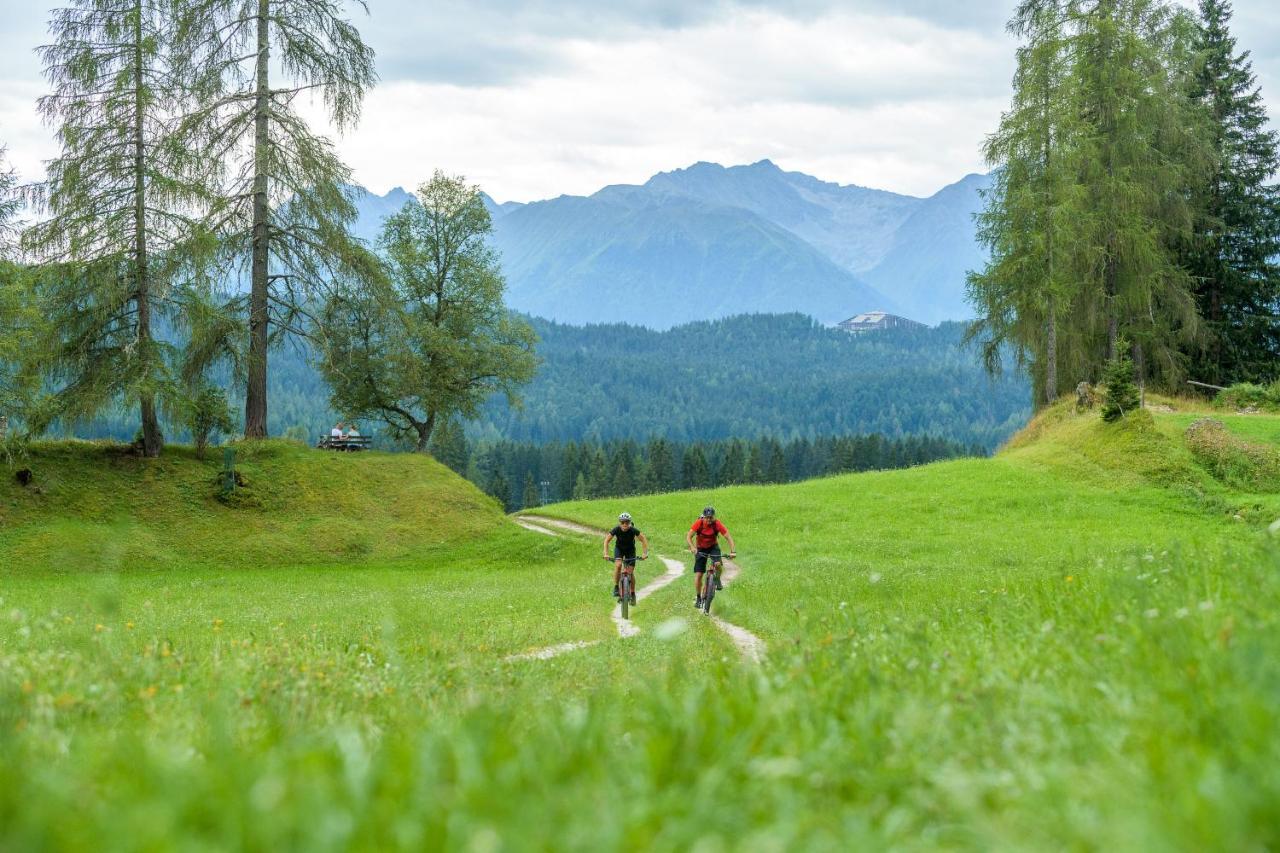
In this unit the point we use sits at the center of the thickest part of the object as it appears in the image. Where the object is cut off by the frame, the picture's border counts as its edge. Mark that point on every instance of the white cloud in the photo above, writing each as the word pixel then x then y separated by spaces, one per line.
pixel 532 98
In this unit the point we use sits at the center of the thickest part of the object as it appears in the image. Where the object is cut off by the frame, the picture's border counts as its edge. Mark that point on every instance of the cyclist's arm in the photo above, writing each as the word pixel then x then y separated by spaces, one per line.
pixel 732 548
pixel 607 539
pixel 688 539
pixel 645 542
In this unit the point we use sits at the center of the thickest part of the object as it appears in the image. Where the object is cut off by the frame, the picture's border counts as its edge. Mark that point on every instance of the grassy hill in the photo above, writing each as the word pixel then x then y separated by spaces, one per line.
pixel 97 507
pixel 1072 644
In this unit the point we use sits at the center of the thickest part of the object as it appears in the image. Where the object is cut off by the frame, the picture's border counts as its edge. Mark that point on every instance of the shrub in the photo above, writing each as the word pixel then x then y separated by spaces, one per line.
pixel 206 413
pixel 1246 395
pixel 1233 460
pixel 1121 395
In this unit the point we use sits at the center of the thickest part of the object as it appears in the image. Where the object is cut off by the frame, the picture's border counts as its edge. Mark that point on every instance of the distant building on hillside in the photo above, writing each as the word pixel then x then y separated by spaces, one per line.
pixel 874 321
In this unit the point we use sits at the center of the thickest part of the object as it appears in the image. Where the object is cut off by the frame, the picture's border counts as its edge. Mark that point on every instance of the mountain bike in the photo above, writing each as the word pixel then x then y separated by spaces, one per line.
pixel 710 578
pixel 626 583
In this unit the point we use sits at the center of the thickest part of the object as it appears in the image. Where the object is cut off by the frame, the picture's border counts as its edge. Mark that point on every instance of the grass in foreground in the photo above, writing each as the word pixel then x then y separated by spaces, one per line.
pixel 1042 650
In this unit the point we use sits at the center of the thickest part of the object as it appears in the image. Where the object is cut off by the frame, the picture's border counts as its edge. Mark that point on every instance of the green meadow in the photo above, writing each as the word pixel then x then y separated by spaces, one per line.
pixel 1073 644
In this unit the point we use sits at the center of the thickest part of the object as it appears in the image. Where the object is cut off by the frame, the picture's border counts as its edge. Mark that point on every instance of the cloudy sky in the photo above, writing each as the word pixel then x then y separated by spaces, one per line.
pixel 534 98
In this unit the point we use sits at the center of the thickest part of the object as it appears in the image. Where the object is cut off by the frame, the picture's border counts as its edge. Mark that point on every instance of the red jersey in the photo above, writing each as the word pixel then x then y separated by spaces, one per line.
pixel 707 532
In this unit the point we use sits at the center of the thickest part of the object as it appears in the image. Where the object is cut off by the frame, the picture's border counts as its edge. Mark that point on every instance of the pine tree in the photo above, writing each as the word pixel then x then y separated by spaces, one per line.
pixel 776 468
pixel 1122 396
pixel 530 492
pixel 662 477
pixel 1237 236
pixel 119 199
pixel 733 468
pixel 449 446
pixel 755 463
pixel 286 197
pixel 696 473
pixel 500 489
pixel 581 491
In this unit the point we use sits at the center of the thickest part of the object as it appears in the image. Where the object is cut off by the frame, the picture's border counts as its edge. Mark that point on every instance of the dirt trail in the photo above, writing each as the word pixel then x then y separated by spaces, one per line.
pixel 751 646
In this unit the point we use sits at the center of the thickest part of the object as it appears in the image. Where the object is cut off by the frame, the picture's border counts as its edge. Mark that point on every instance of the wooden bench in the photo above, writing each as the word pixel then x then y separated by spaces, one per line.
pixel 359 442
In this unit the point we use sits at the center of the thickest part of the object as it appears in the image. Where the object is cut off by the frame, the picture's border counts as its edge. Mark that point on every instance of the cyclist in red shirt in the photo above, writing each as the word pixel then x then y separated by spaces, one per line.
pixel 708 529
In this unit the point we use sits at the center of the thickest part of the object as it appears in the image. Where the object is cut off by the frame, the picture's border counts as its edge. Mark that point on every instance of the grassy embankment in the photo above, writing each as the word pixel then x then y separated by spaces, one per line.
pixel 1071 644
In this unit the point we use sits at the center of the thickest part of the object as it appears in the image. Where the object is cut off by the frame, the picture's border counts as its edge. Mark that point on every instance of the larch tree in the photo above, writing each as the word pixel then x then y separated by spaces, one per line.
pixel 1025 293
pixel 19 317
pixel 430 339
pixel 121 199
pixel 10 204
pixel 286 198
pixel 1141 147
pixel 1094 162
pixel 1237 234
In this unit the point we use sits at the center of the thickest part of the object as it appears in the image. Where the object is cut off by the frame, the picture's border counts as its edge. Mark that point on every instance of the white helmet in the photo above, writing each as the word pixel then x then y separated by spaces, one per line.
pixel 626 516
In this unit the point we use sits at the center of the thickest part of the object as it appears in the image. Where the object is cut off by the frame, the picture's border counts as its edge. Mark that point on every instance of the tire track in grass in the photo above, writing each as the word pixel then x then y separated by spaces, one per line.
pixel 747 643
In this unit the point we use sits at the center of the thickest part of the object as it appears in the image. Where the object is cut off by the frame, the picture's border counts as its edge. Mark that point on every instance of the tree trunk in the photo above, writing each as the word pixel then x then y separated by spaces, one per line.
pixel 255 401
pixel 1051 355
pixel 1051 332
pixel 1140 371
pixel 1113 323
pixel 425 428
pixel 142 286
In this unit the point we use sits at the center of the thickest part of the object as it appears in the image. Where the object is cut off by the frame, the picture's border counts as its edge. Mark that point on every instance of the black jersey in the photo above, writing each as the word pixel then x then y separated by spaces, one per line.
pixel 624 541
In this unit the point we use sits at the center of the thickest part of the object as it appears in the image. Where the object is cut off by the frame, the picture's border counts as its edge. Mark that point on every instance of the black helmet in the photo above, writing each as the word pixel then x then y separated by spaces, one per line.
pixel 709 512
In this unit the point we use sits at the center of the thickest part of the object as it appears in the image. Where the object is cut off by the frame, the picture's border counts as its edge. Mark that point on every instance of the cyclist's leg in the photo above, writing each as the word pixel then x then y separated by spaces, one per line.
pixel 617 570
pixel 699 566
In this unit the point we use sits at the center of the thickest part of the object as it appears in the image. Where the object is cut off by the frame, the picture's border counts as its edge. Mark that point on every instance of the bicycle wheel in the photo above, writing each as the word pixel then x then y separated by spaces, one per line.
pixel 708 589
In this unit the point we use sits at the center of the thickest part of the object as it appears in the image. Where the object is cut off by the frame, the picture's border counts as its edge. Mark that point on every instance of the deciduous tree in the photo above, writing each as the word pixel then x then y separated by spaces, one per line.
pixel 430 339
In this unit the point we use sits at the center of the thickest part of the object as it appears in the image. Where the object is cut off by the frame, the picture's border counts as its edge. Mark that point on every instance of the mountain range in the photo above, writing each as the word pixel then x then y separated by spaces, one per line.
pixel 711 241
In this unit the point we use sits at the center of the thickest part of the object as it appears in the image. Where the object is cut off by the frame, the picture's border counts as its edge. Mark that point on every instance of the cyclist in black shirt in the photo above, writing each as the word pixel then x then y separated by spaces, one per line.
pixel 624 537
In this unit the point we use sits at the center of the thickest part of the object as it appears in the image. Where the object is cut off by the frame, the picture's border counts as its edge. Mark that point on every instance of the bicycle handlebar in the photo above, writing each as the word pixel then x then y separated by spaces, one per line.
pixel 716 556
pixel 611 559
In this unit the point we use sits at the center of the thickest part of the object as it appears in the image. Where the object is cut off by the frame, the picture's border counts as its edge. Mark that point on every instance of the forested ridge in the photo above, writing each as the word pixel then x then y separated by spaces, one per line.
pixel 757 375
pixel 752 376
pixel 527 474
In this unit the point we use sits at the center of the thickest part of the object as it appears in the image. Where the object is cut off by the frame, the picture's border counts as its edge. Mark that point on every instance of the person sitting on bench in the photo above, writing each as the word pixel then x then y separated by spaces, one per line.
pixel 353 432
pixel 336 433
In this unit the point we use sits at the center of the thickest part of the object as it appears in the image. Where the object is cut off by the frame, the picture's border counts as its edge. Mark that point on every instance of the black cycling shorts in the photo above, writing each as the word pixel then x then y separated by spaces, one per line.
pixel 700 561
pixel 629 558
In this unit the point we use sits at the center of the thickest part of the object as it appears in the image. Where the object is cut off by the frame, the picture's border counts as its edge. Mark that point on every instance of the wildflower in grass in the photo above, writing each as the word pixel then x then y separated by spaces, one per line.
pixel 1071 578
pixel 1181 613
pixel 128 625
pixel 1152 613
pixel 874 577
pixel 1047 626
pixel 99 628
pixel 1206 605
